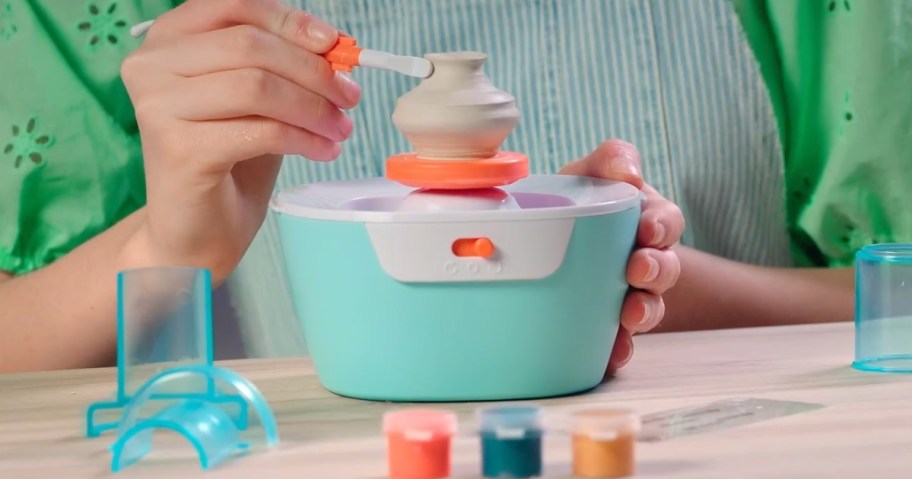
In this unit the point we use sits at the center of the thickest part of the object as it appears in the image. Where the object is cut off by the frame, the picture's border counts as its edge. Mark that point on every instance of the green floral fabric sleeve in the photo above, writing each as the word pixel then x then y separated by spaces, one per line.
pixel 70 157
pixel 840 72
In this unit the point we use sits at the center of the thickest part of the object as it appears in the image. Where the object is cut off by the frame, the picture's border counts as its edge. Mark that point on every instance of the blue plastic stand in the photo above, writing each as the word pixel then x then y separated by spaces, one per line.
pixel 164 320
pixel 207 426
pixel 165 372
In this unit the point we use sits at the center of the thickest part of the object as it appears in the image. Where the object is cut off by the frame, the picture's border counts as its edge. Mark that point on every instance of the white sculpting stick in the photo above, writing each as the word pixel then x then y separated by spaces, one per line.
pixel 140 29
pixel 411 66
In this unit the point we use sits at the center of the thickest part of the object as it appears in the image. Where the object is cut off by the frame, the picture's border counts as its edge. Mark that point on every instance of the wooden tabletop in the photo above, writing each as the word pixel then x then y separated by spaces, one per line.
pixel 863 430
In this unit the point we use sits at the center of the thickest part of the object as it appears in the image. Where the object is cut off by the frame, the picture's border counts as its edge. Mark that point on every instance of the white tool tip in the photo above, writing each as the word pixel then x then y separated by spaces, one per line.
pixel 411 66
pixel 417 67
pixel 140 29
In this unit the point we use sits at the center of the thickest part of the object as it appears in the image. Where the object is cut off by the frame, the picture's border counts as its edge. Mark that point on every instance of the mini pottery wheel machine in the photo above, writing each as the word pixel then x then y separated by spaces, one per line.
pixel 459 276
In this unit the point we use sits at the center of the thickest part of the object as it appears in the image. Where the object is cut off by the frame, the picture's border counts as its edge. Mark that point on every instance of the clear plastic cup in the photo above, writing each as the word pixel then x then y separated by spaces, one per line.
pixel 883 308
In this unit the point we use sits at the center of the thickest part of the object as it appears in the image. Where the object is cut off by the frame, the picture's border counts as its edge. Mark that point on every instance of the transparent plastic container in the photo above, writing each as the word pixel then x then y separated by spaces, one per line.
pixel 883 308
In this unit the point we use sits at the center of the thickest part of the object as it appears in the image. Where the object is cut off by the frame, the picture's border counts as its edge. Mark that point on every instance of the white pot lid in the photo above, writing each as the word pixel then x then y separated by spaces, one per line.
pixel 378 200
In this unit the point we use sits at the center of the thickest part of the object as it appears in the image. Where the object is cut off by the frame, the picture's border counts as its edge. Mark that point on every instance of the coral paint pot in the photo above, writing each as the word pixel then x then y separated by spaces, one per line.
pixel 493 294
pixel 418 443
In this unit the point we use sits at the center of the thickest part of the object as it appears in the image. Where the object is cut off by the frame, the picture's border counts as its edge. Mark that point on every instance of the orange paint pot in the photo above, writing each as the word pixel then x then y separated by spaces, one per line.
pixel 418 443
pixel 603 443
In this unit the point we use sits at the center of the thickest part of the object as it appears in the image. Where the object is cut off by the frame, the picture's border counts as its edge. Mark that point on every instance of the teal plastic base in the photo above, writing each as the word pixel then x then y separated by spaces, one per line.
pixel 900 363
pixel 372 337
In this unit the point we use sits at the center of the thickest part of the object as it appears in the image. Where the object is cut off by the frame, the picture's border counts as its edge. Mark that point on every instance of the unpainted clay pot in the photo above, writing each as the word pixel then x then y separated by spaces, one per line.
pixel 456 112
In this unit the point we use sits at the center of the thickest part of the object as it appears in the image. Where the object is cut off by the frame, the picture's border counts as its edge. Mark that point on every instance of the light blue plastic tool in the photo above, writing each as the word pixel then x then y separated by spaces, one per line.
pixel 883 308
pixel 214 433
pixel 165 373
pixel 164 320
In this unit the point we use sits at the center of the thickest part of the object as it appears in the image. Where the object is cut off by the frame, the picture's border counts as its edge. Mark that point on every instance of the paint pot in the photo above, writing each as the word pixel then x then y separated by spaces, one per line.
pixel 418 442
pixel 511 441
pixel 603 443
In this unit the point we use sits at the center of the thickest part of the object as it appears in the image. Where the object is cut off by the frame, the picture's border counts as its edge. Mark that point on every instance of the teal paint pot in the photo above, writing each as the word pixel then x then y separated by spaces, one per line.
pixel 511 441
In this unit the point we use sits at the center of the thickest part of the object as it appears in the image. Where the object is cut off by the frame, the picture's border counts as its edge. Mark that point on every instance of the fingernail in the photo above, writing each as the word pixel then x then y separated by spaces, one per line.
pixel 346 128
pixel 350 89
pixel 320 31
pixel 623 161
pixel 646 310
pixel 658 236
pixel 622 171
pixel 653 270
pixel 335 152
pixel 629 355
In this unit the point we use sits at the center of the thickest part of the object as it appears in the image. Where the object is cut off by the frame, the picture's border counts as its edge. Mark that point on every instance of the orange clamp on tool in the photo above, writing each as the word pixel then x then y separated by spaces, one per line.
pixel 345 54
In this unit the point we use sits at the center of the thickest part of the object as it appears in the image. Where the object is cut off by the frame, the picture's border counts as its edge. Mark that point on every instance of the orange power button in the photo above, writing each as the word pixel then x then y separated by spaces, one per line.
pixel 478 247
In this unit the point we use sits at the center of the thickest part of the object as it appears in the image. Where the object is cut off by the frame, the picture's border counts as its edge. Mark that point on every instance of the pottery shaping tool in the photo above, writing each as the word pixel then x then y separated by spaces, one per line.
pixel 346 54
pixel 715 416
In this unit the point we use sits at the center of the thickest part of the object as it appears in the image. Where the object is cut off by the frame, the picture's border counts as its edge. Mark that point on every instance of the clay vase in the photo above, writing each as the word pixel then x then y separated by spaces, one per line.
pixel 456 113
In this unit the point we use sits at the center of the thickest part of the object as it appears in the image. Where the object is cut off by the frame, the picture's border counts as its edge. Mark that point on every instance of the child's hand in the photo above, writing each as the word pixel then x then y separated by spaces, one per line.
pixel 653 268
pixel 222 89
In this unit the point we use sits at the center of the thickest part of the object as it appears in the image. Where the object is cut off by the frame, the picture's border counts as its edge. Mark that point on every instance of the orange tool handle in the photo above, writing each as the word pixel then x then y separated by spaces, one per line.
pixel 345 54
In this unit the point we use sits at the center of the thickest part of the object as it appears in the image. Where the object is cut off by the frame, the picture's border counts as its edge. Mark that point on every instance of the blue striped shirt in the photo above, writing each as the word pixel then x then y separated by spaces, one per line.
pixel 676 78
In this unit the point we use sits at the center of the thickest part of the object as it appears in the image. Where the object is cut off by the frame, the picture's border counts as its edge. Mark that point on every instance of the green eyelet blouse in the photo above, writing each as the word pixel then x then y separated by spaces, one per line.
pixel 782 128
pixel 70 156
